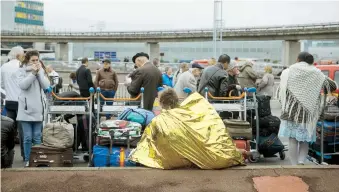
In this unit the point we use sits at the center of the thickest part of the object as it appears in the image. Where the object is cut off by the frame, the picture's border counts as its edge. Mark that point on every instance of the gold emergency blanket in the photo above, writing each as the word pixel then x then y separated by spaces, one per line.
pixel 192 134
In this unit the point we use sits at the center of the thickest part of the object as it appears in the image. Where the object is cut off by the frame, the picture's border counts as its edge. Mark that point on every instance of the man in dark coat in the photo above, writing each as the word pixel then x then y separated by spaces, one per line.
pixel 215 78
pixel 84 78
pixel 147 76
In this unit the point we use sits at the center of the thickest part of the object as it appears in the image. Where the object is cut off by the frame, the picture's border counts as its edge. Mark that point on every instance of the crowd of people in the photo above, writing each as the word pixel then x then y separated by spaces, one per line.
pixel 25 78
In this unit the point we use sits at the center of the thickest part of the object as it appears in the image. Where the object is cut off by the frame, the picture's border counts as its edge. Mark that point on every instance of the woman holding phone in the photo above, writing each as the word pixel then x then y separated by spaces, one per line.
pixel 32 82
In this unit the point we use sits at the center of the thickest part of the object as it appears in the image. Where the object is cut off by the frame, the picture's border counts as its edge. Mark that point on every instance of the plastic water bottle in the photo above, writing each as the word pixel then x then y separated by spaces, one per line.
pixel 122 157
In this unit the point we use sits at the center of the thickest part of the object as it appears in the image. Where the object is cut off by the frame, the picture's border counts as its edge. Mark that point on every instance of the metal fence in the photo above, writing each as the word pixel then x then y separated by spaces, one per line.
pixel 123 93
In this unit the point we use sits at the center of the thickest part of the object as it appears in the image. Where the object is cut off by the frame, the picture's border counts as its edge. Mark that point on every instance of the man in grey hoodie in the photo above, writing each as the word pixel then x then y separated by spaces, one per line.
pixel 32 82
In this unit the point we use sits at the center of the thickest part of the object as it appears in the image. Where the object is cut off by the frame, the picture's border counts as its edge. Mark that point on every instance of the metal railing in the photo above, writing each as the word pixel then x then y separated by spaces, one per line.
pixel 288 29
pixel 123 93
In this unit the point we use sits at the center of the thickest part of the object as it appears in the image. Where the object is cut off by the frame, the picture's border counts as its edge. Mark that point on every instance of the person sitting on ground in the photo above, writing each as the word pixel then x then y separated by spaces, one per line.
pixel 167 78
pixel 73 81
pixel 168 100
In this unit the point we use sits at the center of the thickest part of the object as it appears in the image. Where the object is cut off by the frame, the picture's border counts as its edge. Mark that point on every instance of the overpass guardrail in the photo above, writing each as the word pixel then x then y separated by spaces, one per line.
pixel 323 28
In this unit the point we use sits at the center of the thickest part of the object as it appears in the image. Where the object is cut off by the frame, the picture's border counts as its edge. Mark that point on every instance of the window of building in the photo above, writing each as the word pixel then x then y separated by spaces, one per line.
pixel 238 50
pixel 192 50
pixel 253 50
pixel 198 50
pixel 232 50
pixel 205 50
pixel 210 50
pixel 224 50
pixel 260 50
pixel 246 50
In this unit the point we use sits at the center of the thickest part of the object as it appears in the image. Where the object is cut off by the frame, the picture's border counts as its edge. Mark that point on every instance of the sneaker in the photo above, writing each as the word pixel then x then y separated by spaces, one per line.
pixel 27 164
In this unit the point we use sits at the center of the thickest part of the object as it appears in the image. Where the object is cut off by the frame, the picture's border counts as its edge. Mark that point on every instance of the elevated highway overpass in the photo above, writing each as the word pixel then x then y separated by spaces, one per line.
pixel 290 34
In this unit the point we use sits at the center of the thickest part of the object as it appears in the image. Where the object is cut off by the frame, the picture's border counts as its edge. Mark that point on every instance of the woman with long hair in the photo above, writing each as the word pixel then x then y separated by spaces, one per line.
pixel 32 82
pixel 301 104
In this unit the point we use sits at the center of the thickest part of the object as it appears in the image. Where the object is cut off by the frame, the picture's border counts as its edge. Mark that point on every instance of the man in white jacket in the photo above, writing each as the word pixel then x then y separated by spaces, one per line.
pixel 10 85
pixel 188 79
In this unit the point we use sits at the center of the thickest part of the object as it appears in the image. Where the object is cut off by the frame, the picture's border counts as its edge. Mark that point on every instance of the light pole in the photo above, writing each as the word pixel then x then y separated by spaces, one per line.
pixel 217 27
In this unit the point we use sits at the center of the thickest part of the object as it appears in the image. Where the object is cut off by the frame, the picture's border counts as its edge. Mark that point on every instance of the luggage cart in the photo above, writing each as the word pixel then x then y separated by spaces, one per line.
pixel 240 104
pixel 323 154
pixel 73 109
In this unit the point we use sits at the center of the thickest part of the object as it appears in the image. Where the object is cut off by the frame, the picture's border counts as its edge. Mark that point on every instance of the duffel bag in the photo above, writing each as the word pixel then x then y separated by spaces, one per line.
pixel 238 128
pixel 141 116
pixel 264 105
pixel 121 132
pixel 58 134
pixel 268 125
pixel 270 145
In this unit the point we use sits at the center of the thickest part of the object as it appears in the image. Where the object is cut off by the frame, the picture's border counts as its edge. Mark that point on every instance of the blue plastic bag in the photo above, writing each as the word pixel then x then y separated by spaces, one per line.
pixel 101 157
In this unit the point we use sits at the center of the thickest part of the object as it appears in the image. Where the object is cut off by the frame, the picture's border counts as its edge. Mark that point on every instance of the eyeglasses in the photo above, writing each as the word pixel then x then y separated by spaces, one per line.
pixel 34 60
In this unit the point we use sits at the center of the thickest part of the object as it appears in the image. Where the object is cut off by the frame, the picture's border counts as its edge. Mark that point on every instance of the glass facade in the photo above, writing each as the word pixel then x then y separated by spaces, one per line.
pixel 29 13
pixel 186 50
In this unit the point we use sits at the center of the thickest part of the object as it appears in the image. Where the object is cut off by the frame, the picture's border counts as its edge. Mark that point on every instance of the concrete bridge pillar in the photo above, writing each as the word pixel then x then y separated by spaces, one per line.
pixel 39 46
pixel 290 52
pixel 61 51
pixel 153 50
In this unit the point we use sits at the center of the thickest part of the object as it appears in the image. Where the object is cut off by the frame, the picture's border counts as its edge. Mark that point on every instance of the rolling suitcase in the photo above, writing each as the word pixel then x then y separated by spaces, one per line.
pixel 243 144
pixel 43 156
pixel 238 129
pixel 125 132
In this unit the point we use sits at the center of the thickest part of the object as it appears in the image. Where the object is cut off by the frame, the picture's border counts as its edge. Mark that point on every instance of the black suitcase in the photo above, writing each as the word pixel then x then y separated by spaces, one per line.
pixel 83 131
pixel 264 105
pixel 43 156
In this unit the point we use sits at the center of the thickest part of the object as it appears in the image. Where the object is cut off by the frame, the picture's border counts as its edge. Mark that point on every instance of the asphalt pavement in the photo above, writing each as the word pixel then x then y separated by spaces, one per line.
pixel 238 179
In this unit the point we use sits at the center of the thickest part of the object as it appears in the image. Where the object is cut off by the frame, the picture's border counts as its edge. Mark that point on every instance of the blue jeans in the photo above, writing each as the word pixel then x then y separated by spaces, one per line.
pixel 31 134
pixel 107 94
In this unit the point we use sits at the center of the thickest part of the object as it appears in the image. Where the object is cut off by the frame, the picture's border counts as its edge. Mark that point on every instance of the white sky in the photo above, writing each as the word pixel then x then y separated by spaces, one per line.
pixel 79 15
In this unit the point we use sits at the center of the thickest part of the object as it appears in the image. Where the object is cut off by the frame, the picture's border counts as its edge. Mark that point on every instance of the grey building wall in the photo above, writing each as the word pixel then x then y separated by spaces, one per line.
pixel 7 15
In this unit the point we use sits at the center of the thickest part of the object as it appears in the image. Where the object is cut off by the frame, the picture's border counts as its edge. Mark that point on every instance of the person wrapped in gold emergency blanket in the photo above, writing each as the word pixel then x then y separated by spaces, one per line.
pixel 191 134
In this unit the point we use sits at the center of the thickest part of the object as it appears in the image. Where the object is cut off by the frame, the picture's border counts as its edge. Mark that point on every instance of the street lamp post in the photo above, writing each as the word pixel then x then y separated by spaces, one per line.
pixel 217 27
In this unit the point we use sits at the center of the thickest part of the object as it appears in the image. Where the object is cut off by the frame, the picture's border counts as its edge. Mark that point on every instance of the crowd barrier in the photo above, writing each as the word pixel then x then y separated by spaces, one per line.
pixel 123 93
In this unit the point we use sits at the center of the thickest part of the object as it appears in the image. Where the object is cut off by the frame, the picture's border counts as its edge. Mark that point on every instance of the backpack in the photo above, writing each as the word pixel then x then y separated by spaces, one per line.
pixel 59 85
pixel 142 116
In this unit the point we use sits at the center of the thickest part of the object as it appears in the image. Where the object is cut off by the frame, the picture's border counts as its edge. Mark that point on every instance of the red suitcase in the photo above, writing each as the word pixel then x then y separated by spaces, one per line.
pixel 243 144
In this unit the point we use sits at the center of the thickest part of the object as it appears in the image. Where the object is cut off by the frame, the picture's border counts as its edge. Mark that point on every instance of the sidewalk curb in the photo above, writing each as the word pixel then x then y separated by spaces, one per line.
pixel 146 168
